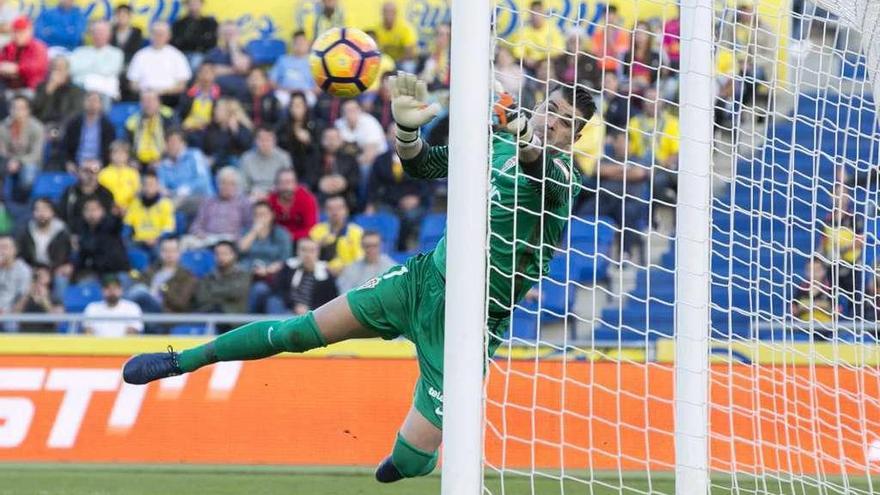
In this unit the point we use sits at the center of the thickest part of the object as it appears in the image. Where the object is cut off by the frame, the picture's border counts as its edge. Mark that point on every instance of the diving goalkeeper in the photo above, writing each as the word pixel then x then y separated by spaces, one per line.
pixel 532 181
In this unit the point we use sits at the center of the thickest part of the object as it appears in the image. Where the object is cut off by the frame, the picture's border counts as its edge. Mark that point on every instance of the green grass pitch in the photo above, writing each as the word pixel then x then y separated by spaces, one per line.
pixel 106 479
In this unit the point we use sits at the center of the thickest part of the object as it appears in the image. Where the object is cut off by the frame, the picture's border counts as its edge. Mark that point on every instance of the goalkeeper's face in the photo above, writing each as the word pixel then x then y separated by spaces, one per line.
pixel 556 121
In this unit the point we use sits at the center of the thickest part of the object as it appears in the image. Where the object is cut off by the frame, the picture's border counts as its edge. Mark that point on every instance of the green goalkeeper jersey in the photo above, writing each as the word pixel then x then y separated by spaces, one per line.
pixel 529 207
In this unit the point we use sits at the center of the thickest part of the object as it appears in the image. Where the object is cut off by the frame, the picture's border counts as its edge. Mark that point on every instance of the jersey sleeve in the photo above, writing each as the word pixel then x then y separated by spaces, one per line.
pixel 561 181
pixel 432 162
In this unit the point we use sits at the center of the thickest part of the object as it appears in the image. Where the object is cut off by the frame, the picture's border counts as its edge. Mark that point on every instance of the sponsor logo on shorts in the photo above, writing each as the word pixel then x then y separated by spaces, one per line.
pixel 437 396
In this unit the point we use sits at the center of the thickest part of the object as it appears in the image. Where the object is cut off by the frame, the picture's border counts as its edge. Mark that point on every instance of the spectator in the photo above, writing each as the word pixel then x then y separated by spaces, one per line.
pixel 325 15
pixel 195 33
pixel 24 61
pixel 184 175
pixel 62 26
pixel 295 207
pixel 380 106
pixel 260 165
pixel 120 177
pixel 362 129
pixel 653 134
pixel 396 37
pixel 224 217
pixel 642 63
pixel 264 109
pixel 229 135
pixel 225 289
pixel 234 84
pixel 46 240
pixel 197 104
pixel 147 128
pixel 297 134
pixel 57 98
pixel 126 37
pixel 509 72
pixel 159 67
pixel 165 286
pixel 843 240
pixel 304 283
pixel 150 215
pixel 263 251
pixel 391 189
pixel 87 136
pixel 615 102
pixel 813 300
pixel 22 141
pixel 8 13
pixel 538 39
pixel 611 40
pixel 101 250
pixel 335 172
pixel 87 187
pixel 265 245
pixel 578 64
pixel 374 263
pixel 622 182
pixel 115 307
pixel 98 67
pixel 38 300
pixel 672 41
pixel 15 275
pixel 338 237
pixel 293 73
pixel 228 49
pixel 436 68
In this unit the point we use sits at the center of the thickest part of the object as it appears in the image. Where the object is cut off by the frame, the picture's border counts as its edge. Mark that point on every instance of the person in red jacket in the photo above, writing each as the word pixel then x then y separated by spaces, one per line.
pixel 296 209
pixel 24 61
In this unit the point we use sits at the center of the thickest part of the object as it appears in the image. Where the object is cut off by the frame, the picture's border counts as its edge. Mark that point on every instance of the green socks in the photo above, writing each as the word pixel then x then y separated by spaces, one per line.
pixel 256 340
pixel 410 461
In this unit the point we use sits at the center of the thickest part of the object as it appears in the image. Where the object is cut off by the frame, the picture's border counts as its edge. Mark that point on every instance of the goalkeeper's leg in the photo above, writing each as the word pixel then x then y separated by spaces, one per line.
pixel 331 323
pixel 415 450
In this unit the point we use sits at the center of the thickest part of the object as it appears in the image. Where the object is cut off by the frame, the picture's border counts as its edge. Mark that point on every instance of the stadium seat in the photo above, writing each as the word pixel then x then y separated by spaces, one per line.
pixel 138 258
pixel 119 113
pixel 51 185
pixel 400 257
pixel 198 261
pixel 180 223
pixel 78 296
pixel 433 227
pixel 265 51
pixel 386 224
pixel 189 329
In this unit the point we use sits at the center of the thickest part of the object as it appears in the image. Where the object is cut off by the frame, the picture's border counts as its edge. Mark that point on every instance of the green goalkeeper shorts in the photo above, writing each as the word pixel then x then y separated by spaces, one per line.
pixel 409 300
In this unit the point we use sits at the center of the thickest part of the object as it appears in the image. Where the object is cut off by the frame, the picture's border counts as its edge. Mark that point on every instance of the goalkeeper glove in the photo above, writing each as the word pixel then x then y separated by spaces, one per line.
pixel 507 115
pixel 409 106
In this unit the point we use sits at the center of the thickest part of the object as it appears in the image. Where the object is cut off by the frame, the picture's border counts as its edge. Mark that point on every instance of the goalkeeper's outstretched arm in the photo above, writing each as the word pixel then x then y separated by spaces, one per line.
pixel 411 110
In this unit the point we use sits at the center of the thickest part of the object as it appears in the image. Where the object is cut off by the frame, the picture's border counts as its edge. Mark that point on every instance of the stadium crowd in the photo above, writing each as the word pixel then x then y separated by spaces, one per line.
pixel 185 171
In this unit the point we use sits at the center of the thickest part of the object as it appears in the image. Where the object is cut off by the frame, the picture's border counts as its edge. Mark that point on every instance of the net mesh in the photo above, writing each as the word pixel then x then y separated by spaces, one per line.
pixel 579 397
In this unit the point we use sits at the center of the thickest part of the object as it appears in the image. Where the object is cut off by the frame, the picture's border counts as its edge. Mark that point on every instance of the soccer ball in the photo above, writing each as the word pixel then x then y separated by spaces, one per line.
pixel 344 61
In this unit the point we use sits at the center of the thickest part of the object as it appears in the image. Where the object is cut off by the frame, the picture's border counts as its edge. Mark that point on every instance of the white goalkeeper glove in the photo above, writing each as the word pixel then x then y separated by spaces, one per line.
pixel 507 116
pixel 409 105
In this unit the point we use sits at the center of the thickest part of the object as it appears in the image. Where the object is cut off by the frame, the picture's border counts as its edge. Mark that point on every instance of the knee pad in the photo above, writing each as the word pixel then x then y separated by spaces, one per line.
pixel 410 461
pixel 298 334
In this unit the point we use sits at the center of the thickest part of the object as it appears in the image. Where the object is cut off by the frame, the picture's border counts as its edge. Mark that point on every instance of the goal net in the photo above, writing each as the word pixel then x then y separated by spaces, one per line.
pixel 710 309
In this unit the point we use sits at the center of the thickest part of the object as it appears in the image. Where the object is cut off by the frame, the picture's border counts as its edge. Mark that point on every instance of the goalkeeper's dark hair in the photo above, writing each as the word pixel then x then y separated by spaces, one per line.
pixel 581 99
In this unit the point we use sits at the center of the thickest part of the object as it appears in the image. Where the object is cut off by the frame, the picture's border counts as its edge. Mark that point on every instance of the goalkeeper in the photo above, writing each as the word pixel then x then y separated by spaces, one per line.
pixel 532 181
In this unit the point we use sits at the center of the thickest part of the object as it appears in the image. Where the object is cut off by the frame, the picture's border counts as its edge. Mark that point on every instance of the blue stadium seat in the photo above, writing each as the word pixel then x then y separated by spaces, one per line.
pixel 119 113
pixel 189 329
pixel 401 256
pixel 78 296
pixel 198 261
pixel 386 224
pixel 51 185
pixel 180 223
pixel 433 227
pixel 265 51
pixel 138 258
